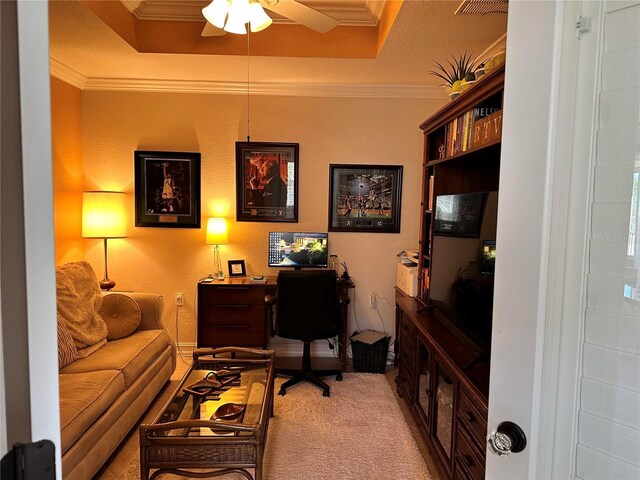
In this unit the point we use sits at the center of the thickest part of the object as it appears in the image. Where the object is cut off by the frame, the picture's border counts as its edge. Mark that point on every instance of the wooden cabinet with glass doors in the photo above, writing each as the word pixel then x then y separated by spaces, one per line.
pixel 443 373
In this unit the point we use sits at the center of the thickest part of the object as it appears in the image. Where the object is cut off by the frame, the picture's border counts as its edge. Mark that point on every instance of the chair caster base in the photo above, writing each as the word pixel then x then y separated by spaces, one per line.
pixel 339 377
pixel 326 393
pixel 282 392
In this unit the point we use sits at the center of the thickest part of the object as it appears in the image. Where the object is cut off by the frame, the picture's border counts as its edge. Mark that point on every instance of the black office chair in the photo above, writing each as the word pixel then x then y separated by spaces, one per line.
pixel 308 308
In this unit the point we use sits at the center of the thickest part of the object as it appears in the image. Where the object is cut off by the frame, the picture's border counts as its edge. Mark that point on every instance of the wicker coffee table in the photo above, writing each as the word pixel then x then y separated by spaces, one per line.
pixel 216 422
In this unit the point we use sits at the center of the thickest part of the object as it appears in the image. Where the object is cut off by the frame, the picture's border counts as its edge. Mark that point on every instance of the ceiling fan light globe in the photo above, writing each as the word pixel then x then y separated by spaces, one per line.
pixel 238 17
pixel 259 20
pixel 216 12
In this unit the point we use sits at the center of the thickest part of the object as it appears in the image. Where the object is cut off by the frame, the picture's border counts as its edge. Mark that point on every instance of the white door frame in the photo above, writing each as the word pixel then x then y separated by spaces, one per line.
pixel 529 164
pixel 567 90
pixel 33 282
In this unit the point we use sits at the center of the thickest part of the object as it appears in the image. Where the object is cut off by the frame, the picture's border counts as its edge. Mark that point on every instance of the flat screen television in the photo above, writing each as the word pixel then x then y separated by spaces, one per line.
pixel 298 250
pixel 463 263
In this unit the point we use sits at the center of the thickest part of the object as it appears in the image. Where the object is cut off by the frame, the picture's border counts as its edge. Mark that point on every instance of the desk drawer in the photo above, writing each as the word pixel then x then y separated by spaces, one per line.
pixel 233 294
pixel 237 335
pixel 233 314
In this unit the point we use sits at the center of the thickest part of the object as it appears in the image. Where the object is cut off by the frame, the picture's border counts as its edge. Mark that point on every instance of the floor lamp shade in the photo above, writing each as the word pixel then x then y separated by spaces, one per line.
pixel 103 216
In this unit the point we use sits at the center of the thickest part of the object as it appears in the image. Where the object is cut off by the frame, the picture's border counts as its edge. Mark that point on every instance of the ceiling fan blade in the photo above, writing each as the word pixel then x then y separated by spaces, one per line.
pixel 301 14
pixel 212 31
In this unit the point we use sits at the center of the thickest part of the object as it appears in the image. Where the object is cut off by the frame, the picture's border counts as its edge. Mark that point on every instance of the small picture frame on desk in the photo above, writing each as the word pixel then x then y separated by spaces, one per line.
pixel 237 268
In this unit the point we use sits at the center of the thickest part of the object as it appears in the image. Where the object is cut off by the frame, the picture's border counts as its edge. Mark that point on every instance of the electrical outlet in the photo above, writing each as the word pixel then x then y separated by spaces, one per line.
pixel 373 300
pixel 179 299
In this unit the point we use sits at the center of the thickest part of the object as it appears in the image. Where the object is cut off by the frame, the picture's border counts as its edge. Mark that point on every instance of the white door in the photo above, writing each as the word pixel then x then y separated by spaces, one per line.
pixel 565 357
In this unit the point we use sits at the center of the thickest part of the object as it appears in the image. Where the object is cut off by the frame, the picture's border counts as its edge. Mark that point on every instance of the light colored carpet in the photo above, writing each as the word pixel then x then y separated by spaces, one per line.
pixel 357 433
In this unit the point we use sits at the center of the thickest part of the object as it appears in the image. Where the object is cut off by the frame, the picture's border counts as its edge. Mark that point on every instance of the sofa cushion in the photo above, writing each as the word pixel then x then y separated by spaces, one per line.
pixel 78 301
pixel 121 313
pixel 132 355
pixel 67 351
pixel 83 398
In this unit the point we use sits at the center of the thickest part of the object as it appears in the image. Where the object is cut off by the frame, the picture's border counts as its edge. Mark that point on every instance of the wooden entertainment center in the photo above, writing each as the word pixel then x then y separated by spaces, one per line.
pixel 442 376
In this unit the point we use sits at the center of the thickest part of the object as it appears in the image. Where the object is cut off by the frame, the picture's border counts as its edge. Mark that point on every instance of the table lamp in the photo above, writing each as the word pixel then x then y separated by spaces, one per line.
pixel 103 216
pixel 216 236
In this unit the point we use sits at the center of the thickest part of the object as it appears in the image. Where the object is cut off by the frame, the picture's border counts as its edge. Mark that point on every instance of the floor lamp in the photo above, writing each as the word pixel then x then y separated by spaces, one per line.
pixel 216 236
pixel 103 216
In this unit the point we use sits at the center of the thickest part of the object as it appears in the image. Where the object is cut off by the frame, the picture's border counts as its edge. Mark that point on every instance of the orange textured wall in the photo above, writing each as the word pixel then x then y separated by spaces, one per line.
pixel 329 130
pixel 66 128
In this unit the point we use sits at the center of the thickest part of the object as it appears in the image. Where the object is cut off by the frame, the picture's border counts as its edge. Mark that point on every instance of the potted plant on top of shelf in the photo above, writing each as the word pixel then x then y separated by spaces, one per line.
pixel 458 75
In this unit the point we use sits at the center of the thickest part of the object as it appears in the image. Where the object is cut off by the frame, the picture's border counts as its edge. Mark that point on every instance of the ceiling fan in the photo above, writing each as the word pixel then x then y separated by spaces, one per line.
pixel 219 16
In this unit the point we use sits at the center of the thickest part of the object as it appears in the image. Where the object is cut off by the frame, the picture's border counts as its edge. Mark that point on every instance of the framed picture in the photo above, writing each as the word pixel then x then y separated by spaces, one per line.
pixel 236 268
pixel 459 215
pixel 365 198
pixel 167 189
pixel 267 182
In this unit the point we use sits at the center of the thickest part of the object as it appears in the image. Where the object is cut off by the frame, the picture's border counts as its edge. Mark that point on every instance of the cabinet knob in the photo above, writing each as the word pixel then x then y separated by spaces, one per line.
pixel 470 416
pixel 509 438
pixel 468 460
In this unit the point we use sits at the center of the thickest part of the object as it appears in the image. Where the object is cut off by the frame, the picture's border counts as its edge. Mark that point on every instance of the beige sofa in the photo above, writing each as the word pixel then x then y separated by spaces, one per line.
pixel 103 396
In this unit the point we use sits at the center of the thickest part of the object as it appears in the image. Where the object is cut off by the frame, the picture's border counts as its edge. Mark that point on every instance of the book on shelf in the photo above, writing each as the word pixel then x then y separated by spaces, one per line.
pixel 430 192
pixel 487 129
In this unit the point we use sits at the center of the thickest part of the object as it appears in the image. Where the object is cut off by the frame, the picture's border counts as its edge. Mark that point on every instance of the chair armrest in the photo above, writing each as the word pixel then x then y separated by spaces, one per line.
pixel 344 299
pixel 270 299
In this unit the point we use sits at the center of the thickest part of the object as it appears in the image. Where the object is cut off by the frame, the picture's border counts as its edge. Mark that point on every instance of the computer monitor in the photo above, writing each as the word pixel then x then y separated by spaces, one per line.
pixel 298 250
pixel 488 257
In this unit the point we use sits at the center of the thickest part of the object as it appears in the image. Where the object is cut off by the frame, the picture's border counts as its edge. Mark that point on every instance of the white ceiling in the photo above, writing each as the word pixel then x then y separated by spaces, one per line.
pixel 83 48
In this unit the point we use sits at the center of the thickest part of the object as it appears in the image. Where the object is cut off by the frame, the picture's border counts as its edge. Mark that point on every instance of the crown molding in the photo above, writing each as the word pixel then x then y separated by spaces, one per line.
pixel 75 78
pixel 66 73
pixel 271 89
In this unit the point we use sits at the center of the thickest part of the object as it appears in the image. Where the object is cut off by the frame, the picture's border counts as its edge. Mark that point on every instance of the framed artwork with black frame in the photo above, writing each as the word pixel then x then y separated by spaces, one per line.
pixel 237 268
pixel 267 182
pixel 167 189
pixel 365 198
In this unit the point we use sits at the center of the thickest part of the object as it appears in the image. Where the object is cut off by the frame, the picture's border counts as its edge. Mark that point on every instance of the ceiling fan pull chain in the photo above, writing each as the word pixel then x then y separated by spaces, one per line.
pixel 248 96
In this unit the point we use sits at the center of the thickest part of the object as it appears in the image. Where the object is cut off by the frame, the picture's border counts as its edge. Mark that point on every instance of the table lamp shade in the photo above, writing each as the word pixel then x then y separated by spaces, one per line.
pixel 217 232
pixel 103 215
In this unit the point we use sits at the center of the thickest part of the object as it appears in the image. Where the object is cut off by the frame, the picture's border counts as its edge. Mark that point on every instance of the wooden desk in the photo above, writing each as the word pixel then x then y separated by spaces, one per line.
pixel 232 312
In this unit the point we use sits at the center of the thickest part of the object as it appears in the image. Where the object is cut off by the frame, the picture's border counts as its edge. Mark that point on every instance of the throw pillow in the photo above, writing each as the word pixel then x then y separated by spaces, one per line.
pixel 121 313
pixel 79 300
pixel 67 351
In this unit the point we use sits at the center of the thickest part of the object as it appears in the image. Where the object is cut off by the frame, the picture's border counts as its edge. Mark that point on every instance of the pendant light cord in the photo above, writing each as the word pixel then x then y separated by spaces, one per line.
pixel 248 96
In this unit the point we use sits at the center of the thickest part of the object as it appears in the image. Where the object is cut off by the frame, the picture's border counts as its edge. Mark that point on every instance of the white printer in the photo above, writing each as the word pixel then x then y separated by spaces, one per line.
pixel 407 272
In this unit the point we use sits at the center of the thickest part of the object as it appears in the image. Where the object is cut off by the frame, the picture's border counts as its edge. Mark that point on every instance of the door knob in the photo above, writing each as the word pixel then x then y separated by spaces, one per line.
pixel 509 438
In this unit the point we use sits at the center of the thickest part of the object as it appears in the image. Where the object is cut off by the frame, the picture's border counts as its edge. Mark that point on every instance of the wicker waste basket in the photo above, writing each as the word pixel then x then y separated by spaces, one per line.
pixel 370 357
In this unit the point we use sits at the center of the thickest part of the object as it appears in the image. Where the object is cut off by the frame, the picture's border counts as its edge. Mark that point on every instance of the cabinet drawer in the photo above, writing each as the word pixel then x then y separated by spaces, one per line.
pixel 237 335
pixel 407 333
pixel 459 472
pixel 232 294
pixel 407 354
pixel 243 314
pixel 468 456
pixel 404 382
pixel 473 419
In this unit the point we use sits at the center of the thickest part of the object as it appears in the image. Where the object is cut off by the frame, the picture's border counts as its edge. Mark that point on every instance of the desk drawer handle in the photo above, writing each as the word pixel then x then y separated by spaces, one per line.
pixel 233 327
pixel 468 460
pixel 470 417
pixel 233 306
